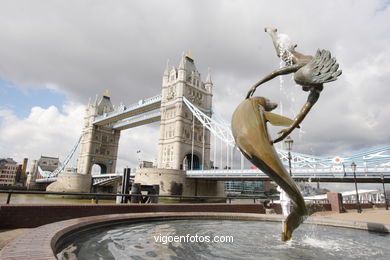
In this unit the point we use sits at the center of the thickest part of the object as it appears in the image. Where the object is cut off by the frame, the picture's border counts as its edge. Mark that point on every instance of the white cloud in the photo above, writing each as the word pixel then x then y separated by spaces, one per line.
pixel 44 132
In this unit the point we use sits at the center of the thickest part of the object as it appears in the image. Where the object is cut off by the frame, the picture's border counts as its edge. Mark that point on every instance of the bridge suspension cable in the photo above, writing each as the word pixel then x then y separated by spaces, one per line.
pixel 48 174
pixel 219 129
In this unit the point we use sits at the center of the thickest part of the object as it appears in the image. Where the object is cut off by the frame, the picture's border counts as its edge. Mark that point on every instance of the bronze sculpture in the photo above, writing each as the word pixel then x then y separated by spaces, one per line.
pixel 249 119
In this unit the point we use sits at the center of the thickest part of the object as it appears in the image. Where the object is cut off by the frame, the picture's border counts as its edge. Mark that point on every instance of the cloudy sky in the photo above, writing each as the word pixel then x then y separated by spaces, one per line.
pixel 55 55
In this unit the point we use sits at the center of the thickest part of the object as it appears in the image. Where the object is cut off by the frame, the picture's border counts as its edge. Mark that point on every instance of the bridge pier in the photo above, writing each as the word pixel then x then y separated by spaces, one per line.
pixel 174 182
pixel 71 182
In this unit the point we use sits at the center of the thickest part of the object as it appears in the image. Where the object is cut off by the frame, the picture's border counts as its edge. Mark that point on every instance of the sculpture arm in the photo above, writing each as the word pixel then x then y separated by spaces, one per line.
pixel 275 73
pixel 311 100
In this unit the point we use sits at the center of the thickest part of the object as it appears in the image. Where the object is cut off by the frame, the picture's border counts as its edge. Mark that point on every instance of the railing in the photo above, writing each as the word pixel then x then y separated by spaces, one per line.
pixel 96 196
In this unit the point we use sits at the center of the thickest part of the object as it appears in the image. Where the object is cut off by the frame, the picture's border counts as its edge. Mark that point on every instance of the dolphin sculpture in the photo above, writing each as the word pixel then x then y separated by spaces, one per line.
pixel 249 127
pixel 249 121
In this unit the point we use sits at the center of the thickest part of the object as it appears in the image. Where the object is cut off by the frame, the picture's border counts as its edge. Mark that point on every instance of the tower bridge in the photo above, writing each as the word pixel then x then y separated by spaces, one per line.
pixel 189 128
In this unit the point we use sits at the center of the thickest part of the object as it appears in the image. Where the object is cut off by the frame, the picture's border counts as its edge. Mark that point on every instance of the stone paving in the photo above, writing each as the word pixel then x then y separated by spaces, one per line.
pixel 7 236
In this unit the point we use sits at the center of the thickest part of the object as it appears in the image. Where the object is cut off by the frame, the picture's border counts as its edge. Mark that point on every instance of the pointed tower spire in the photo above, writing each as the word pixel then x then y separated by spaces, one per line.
pixel 96 100
pixel 209 84
pixel 166 72
pixel 181 75
pixel 182 61
pixel 106 94
pixel 189 55
pixel 208 78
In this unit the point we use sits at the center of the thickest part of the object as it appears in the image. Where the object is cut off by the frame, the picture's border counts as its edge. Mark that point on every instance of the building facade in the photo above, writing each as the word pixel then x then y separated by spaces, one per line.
pixel 8 170
pixel 184 143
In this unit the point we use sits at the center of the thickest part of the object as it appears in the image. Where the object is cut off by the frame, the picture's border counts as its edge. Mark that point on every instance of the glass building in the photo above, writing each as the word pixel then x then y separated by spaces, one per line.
pixel 244 187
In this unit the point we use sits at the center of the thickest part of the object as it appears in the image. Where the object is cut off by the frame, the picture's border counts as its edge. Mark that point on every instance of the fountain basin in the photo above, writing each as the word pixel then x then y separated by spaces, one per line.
pixel 44 242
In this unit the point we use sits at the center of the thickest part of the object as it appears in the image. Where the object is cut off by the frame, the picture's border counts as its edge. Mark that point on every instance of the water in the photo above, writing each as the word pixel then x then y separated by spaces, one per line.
pixel 45 199
pixel 251 240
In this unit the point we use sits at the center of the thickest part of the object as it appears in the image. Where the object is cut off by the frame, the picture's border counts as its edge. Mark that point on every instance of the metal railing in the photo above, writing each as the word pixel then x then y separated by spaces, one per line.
pixel 96 196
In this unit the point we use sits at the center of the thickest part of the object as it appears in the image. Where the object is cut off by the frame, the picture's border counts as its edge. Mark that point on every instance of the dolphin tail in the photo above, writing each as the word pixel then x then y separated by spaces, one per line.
pixel 296 217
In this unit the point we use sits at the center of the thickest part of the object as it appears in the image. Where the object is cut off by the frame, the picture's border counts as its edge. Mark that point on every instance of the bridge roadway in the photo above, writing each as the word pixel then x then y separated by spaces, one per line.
pixel 363 175
pixel 146 111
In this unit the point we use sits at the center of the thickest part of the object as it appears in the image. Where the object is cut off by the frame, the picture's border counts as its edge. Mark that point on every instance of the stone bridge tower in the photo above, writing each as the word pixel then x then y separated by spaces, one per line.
pixel 99 144
pixel 184 143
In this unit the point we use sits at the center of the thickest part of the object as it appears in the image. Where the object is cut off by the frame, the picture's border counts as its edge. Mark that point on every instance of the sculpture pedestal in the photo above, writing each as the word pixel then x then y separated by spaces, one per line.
pixel 336 201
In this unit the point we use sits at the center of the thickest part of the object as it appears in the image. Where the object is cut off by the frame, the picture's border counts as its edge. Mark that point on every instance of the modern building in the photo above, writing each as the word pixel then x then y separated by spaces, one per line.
pixel 8 170
pixel 21 174
pixel 146 164
pixel 244 187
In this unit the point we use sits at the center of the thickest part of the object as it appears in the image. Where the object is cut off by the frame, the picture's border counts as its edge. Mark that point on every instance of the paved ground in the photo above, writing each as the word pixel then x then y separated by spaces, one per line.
pixel 381 216
pixel 9 235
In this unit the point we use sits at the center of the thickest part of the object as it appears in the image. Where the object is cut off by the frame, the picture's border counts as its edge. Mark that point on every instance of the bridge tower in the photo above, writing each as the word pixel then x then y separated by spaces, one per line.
pixel 99 144
pixel 184 143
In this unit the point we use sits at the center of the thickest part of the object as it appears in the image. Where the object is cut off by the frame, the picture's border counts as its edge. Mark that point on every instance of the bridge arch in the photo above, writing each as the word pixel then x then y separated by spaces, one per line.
pixel 97 168
pixel 188 160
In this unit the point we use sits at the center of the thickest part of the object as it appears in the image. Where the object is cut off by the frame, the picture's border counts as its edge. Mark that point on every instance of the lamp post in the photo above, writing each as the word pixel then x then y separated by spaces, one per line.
pixel 353 166
pixel 384 191
pixel 139 158
pixel 289 142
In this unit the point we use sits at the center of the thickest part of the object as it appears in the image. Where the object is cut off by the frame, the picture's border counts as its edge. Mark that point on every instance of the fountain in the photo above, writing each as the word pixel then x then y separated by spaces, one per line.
pixel 242 240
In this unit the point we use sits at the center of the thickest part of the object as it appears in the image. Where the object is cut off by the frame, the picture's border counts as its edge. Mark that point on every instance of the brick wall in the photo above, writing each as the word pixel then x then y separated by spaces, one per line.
pixel 278 208
pixel 354 205
pixel 30 216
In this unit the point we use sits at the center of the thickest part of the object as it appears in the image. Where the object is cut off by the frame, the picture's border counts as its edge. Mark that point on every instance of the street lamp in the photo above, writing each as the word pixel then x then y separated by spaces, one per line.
pixel 289 142
pixel 139 158
pixel 384 191
pixel 353 166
